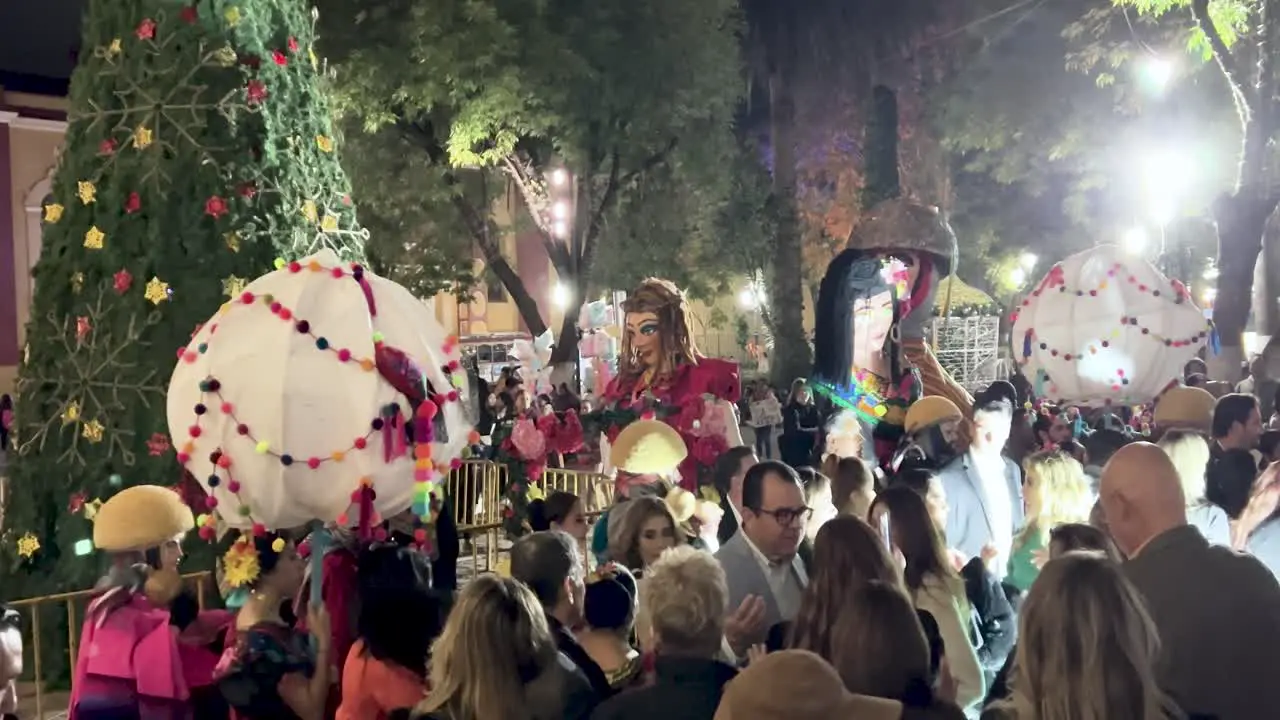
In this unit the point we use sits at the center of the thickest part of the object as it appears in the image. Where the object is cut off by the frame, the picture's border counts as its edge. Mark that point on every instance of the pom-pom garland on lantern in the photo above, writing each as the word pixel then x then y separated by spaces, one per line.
pixel 1102 328
pixel 230 436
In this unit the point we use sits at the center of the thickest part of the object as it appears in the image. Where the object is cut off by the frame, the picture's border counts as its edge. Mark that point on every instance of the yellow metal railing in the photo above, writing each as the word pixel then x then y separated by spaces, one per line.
pixel 474 489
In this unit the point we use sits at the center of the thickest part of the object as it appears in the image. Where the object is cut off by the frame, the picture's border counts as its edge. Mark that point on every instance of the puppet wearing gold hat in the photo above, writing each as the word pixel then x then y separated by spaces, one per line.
pixel 129 659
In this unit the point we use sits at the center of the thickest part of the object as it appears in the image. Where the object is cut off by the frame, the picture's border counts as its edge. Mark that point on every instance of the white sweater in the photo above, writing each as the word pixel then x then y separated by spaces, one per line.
pixel 950 609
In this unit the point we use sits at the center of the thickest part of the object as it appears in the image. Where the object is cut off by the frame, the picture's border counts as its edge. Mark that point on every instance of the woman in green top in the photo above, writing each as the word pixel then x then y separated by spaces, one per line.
pixel 1056 492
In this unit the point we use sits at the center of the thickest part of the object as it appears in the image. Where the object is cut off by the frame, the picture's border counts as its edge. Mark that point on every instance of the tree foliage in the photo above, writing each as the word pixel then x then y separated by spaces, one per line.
pixel 624 96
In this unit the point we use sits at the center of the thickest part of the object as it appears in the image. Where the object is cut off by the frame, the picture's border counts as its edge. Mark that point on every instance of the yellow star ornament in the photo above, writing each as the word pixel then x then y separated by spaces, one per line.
pixel 329 223
pixel 142 137
pixel 114 47
pixel 86 191
pixel 71 414
pixel 325 143
pixel 93 238
pixel 157 291
pixel 92 431
pixel 28 546
pixel 233 241
pixel 232 286
pixel 309 211
pixel 53 212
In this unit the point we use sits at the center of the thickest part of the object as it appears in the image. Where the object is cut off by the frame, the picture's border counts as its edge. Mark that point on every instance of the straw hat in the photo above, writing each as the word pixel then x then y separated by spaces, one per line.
pixel 1182 407
pixel 648 447
pixel 797 685
pixel 140 518
pixel 929 411
pixel 682 504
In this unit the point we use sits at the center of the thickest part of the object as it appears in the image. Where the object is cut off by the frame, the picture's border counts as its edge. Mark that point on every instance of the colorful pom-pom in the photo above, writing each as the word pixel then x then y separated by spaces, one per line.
pixel 277 545
pixel 262 447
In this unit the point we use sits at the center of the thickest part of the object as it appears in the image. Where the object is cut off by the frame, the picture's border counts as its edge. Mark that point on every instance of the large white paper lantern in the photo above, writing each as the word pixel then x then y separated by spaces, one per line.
pixel 279 409
pixel 1104 327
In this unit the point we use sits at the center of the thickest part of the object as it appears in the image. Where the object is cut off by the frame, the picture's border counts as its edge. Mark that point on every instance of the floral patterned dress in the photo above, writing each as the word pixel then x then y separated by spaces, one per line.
pixel 250 672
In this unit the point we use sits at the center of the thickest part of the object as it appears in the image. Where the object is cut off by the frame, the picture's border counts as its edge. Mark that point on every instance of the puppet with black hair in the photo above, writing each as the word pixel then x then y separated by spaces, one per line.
pixel 871 361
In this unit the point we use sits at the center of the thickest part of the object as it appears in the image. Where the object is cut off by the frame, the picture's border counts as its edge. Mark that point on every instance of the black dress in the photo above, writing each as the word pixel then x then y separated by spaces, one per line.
pixel 263 655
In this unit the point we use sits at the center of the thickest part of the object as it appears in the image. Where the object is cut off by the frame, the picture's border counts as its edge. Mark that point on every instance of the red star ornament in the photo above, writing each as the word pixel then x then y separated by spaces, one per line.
pixel 83 327
pixel 122 281
pixel 255 92
pixel 76 503
pixel 215 207
pixel 146 29
pixel 133 203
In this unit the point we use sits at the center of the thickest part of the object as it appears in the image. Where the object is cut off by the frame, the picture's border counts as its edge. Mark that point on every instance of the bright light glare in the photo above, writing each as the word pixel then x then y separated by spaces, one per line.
pixel 751 298
pixel 1211 274
pixel 1164 181
pixel 1135 241
pixel 560 210
pixel 560 295
pixel 559 177
pixel 1208 295
pixel 1029 261
pixel 560 228
pixel 1017 276
pixel 1158 72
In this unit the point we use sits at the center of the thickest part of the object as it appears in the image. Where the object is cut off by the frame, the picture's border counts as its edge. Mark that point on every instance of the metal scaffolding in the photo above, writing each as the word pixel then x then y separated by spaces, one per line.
pixel 968 348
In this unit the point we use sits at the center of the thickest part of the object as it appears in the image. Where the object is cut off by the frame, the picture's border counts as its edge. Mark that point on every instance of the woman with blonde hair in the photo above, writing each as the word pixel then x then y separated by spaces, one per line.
pixel 1056 492
pixel 1190 454
pixel 1086 648
pixel 494 658
pixel 643 529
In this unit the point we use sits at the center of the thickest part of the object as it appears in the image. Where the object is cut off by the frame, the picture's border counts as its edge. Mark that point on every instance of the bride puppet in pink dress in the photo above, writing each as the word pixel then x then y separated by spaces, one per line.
pixel 146 652
pixel 660 366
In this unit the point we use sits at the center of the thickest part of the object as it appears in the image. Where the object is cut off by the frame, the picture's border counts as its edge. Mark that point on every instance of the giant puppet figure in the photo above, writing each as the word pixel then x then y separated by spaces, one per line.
pixel 660 366
pixel 871 358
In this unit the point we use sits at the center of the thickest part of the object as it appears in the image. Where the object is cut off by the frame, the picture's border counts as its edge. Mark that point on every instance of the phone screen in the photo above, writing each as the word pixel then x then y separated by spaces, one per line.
pixel 884 530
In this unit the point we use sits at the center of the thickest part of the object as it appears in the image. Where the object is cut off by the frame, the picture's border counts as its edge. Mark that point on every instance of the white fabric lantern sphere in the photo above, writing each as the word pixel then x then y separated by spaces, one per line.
pixel 1104 327
pixel 279 409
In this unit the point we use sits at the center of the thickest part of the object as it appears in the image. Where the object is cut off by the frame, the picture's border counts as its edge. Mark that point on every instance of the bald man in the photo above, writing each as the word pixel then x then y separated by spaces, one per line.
pixel 1217 611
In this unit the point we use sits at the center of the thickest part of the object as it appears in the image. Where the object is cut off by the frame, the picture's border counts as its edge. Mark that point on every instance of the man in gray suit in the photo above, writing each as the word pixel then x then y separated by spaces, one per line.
pixel 1217 612
pixel 760 560
pixel 983 487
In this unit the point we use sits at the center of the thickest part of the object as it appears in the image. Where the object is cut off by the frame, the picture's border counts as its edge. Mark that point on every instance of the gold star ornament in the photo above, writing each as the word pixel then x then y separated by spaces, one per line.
pixel 157 291
pixel 92 431
pixel 28 546
pixel 86 191
pixel 325 143
pixel 53 212
pixel 329 223
pixel 309 211
pixel 142 137
pixel 232 286
pixel 71 413
pixel 77 282
pixel 93 238
pixel 233 241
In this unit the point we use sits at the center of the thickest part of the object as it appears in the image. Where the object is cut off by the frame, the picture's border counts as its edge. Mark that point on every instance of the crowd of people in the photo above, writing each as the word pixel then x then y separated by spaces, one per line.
pixel 1088 574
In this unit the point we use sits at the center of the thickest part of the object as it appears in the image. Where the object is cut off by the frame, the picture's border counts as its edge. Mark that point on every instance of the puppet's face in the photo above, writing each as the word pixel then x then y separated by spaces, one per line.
pixel 644 332
pixel 873 310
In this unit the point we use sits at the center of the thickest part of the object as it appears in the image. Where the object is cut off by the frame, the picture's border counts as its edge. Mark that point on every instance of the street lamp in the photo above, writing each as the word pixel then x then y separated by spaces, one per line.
pixel 1017 277
pixel 1135 241
pixel 560 295
pixel 1028 261
pixel 1158 72
pixel 560 210
pixel 559 177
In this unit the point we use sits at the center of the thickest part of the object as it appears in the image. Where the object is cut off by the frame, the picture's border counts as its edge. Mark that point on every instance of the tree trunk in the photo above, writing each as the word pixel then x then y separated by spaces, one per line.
pixel 791 348
pixel 525 304
pixel 1242 219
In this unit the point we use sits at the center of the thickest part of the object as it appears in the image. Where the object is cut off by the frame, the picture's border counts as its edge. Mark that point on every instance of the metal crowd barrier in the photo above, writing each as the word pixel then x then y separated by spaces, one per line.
pixel 475 494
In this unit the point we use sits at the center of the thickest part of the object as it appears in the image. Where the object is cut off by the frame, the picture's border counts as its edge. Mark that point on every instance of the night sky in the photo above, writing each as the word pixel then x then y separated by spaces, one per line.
pixel 39 37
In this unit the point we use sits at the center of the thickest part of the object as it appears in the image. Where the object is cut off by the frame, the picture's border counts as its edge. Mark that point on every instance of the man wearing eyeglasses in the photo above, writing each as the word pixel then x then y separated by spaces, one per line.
pixel 761 560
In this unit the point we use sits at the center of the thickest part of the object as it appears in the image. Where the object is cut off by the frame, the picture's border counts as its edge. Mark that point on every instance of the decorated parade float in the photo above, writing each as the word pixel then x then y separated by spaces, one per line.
pixel 1104 328
pixel 321 392
pixel 660 375
pixel 871 358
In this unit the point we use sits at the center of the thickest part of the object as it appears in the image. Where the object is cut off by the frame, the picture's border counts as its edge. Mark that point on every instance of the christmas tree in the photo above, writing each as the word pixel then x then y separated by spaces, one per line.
pixel 199 151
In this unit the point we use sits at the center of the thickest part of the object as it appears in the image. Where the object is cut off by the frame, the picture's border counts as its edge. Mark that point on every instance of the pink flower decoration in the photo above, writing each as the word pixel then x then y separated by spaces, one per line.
pixel 529 443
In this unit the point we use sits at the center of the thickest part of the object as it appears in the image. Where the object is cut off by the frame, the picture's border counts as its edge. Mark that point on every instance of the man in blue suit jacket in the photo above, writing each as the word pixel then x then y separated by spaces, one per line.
pixel 983 487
